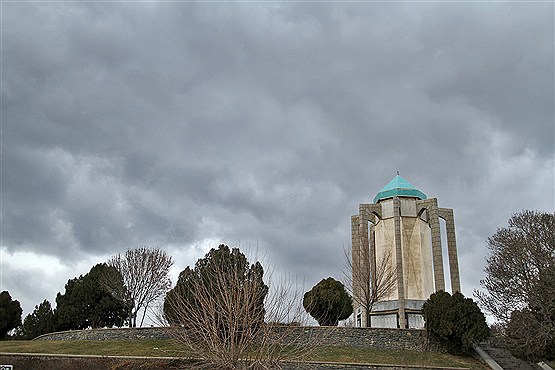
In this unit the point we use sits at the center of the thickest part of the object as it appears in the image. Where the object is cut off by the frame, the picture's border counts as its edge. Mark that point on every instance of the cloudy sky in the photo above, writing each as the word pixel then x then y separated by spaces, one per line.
pixel 262 125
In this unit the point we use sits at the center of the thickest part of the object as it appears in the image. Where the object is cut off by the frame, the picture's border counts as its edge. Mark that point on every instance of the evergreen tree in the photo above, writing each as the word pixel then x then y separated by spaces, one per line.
pixel 87 303
pixel 457 321
pixel 328 302
pixel 40 321
pixel 10 314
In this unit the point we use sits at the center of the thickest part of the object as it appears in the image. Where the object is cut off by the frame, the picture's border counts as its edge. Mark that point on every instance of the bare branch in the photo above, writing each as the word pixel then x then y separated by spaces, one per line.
pixel 228 314
pixel 520 283
pixel 365 287
pixel 145 276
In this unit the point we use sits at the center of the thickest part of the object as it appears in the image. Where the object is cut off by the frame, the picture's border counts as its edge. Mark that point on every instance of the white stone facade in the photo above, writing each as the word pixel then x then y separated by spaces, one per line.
pixel 404 231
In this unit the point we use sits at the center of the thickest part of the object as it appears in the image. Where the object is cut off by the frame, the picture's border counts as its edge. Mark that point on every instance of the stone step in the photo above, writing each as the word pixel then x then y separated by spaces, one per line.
pixel 504 357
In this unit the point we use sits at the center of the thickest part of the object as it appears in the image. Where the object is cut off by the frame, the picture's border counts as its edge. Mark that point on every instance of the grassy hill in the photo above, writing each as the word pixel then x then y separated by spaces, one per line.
pixel 168 348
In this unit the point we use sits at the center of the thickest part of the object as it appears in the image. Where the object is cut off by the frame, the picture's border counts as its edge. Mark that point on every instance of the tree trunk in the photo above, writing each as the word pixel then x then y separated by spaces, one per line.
pixel 368 316
pixel 131 318
pixel 144 314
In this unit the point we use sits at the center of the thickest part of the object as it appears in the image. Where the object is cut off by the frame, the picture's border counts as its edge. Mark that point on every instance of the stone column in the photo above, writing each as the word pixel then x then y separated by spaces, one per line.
pixel 399 260
pixel 447 215
pixel 437 254
pixel 364 256
pixel 369 215
pixel 355 259
pixel 372 252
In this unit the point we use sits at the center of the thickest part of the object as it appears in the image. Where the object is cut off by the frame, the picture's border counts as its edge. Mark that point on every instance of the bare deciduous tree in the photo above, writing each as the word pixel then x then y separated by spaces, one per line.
pixel 520 283
pixel 228 314
pixel 145 277
pixel 366 287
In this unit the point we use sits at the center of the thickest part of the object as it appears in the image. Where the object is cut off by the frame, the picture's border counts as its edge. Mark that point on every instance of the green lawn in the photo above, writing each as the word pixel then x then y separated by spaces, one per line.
pixel 375 356
pixel 168 348
pixel 164 348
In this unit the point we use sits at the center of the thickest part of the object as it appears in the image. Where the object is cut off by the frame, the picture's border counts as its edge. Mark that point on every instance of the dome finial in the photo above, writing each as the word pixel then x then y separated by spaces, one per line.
pixel 397 172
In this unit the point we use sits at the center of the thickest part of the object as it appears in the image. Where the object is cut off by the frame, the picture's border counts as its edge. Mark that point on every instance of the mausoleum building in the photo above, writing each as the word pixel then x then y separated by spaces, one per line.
pixel 399 236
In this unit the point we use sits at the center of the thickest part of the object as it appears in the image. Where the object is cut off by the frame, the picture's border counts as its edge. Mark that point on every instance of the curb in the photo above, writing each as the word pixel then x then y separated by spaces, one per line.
pixel 323 363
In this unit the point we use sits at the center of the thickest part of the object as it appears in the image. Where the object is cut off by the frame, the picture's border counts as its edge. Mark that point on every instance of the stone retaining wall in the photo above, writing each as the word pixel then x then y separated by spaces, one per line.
pixel 396 339
pixel 109 334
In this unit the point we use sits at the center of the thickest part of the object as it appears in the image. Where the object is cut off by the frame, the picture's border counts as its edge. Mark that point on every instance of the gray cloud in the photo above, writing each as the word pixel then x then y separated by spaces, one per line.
pixel 179 124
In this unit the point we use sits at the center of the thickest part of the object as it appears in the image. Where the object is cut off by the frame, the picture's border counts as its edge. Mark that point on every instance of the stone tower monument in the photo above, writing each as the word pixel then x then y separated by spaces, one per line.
pixel 398 237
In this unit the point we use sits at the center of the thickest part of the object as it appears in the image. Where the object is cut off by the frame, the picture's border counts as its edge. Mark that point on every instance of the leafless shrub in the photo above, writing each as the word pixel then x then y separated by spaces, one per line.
pixel 232 319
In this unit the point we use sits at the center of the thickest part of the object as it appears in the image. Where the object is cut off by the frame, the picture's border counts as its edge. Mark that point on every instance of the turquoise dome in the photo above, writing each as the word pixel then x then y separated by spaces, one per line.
pixel 399 187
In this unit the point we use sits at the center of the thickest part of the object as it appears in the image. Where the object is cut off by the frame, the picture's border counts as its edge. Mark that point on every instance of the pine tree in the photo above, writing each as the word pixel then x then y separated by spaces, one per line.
pixel 10 314
pixel 40 321
pixel 328 302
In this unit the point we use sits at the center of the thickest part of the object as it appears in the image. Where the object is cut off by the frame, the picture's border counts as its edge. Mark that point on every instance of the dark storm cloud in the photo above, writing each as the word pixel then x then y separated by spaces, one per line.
pixel 128 124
